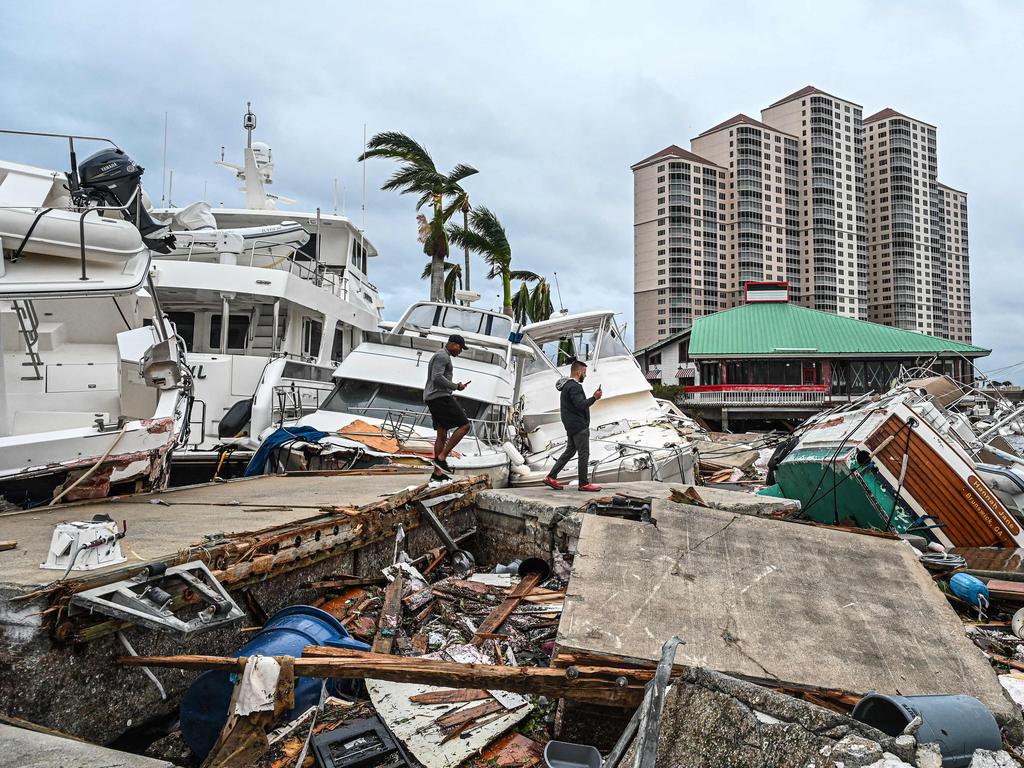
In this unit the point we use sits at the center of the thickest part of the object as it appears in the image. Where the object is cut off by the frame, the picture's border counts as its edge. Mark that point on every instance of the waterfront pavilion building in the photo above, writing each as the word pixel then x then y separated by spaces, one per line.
pixel 772 359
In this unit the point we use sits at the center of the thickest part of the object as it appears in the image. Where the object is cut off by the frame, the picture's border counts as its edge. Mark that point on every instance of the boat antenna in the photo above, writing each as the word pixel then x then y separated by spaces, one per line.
pixel 558 288
pixel 316 252
pixel 249 123
pixel 204 190
pixel 335 195
pixel 362 213
pixel 163 172
pixel 170 189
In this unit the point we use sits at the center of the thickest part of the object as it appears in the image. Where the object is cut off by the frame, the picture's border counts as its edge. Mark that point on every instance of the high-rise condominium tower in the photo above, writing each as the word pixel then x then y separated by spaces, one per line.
pixel 847 210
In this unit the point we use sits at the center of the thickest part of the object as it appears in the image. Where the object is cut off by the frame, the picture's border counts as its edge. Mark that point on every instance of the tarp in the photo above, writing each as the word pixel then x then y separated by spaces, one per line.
pixel 274 441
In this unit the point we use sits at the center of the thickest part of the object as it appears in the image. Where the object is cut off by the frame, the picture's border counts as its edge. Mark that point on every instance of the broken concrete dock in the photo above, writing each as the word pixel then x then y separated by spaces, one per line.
pixel 755 596
pixel 263 538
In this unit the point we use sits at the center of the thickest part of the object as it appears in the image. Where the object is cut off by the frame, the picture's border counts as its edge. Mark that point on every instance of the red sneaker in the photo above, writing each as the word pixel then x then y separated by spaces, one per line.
pixel 550 482
pixel 589 487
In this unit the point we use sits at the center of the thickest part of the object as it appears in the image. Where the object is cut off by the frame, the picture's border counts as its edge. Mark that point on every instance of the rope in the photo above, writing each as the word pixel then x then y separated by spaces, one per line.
pixel 91 469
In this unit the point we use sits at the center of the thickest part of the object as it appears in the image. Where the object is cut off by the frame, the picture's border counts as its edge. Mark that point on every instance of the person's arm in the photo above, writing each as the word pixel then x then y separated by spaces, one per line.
pixel 437 377
pixel 580 401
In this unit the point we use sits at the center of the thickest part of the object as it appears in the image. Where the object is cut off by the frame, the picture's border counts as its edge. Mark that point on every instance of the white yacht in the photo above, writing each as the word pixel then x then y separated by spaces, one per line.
pixel 94 394
pixel 268 303
pixel 633 436
pixel 376 413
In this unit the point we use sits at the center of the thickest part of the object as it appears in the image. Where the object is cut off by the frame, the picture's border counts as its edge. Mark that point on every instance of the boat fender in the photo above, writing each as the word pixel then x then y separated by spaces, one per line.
pixel 513 453
pixel 970 589
pixel 934 546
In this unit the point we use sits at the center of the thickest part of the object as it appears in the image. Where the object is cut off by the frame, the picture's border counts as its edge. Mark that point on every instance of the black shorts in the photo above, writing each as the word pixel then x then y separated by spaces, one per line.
pixel 447 413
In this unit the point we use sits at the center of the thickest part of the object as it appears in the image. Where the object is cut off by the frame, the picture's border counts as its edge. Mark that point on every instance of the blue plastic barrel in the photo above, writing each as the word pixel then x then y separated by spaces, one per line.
pixel 958 724
pixel 969 588
pixel 204 707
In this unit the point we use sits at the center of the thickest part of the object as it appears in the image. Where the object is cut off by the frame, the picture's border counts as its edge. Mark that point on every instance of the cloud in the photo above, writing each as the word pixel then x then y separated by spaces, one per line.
pixel 551 101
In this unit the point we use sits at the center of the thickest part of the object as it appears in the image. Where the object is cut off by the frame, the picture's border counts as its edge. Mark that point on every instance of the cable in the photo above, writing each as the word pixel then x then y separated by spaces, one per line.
pixel 903 472
pixel 824 470
pixel 31 229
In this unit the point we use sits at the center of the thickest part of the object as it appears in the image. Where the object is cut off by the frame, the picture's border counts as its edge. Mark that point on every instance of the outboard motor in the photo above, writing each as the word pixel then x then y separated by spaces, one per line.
pixel 110 177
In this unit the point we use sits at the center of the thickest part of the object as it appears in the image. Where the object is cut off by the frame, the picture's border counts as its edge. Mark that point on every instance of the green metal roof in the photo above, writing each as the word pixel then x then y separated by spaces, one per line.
pixel 788 330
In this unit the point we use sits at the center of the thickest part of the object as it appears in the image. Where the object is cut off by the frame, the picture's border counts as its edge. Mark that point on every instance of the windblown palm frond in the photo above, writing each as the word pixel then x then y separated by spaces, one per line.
pixel 397 146
pixel 452 278
pixel 521 304
pixel 418 175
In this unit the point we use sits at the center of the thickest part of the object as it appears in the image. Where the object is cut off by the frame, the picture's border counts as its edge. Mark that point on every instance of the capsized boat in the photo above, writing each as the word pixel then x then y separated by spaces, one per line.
pixel 375 413
pixel 633 435
pixel 906 461
pixel 95 394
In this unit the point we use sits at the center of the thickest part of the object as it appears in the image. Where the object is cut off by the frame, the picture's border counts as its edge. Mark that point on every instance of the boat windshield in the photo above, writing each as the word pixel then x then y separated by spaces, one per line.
pixel 369 398
pixel 455 318
pixel 585 343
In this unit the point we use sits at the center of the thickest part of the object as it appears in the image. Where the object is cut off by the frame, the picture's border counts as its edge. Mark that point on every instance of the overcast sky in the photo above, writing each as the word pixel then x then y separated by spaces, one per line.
pixel 551 101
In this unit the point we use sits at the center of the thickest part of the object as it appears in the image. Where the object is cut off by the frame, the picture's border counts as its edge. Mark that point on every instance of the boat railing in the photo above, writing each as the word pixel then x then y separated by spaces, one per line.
pixel 292 401
pixel 401 424
pixel 343 286
pixel 757 395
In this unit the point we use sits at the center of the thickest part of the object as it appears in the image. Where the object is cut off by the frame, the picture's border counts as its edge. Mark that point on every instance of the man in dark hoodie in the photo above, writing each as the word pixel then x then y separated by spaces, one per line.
pixel 575 411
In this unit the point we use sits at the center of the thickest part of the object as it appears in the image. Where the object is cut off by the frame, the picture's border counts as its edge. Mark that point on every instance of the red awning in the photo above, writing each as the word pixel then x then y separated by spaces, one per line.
pixel 686 371
pixel 653 374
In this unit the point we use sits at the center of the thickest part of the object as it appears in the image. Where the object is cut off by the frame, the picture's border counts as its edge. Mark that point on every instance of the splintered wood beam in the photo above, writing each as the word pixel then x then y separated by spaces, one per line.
pixel 609 686
pixel 390 616
pixel 499 615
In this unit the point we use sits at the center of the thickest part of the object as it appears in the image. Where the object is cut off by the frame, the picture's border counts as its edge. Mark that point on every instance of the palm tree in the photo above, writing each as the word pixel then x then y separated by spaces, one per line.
pixel 486 236
pixel 452 278
pixel 532 306
pixel 417 174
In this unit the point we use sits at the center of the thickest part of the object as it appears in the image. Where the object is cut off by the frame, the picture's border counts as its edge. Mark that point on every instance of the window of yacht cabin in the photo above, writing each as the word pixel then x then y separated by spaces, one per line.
pixel 185 326
pixel 312 330
pixel 397 400
pixel 350 396
pixel 499 326
pixel 423 316
pixel 359 256
pixel 459 319
pixel 238 331
pixel 612 345
pixel 338 347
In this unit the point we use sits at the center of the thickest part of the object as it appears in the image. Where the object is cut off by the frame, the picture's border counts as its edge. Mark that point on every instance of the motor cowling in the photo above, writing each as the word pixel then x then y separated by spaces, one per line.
pixel 110 177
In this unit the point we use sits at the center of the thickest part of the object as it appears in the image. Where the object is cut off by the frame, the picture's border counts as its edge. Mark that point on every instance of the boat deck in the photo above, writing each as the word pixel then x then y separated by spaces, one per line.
pixel 162 523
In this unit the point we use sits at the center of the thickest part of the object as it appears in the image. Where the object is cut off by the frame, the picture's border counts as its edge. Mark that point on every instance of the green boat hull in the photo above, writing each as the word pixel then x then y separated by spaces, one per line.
pixel 839 491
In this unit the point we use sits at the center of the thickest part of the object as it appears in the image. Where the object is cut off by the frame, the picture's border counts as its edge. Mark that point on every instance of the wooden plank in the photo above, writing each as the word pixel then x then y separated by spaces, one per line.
pixel 466 715
pixel 390 616
pixel 608 686
pixel 8 544
pixel 500 614
pixel 1002 589
pixel 449 696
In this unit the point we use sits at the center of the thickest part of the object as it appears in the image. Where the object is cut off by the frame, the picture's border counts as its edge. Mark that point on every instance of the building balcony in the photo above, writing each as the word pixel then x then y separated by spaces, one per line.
pixel 758 395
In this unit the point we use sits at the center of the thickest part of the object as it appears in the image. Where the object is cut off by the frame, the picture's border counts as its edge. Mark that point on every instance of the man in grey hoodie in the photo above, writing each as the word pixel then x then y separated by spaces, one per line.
pixel 575 412
pixel 444 408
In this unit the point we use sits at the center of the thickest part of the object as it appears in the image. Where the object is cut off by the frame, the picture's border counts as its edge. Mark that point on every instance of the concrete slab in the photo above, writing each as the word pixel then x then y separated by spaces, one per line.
pixel 767 598
pixel 547 504
pixel 29 749
pixel 163 523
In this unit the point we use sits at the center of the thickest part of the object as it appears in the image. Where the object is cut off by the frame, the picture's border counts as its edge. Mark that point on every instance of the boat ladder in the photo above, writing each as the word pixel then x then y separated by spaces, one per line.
pixel 28 327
